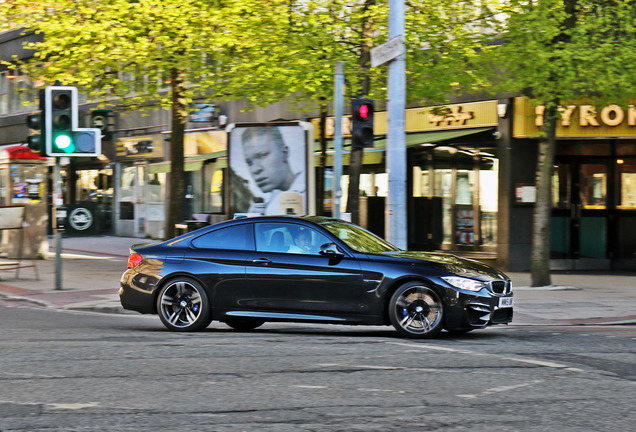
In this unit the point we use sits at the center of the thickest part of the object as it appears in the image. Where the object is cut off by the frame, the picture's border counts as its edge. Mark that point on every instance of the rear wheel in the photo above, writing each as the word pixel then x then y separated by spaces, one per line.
pixel 416 311
pixel 183 305
pixel 244 324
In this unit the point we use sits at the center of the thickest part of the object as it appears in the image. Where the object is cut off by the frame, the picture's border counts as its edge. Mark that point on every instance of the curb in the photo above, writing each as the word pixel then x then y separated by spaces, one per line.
pixel 546 288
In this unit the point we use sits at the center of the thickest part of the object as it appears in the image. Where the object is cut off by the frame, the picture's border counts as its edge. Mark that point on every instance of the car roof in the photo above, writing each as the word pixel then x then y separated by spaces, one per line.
pixel 282 218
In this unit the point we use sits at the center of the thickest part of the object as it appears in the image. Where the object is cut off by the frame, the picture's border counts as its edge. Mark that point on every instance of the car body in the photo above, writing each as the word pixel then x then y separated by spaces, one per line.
pixel 248 271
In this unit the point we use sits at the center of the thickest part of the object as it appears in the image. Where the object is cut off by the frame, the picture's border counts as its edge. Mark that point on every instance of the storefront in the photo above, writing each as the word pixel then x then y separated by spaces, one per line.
pixel 452 177
pixel 593 223
pixel 23 182
pixel 142 186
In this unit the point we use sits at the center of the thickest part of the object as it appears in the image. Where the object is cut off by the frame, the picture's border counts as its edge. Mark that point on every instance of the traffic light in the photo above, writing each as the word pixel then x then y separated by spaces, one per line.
pixel 63 137
pixel 35 122
pixel 362 122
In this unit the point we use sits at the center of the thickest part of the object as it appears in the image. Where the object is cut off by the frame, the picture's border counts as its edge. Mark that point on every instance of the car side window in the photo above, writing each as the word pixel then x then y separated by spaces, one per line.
pixel 288 238
pixel 236 237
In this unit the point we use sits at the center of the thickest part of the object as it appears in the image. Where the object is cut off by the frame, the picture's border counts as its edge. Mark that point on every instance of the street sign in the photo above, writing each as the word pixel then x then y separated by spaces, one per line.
pixel 389 50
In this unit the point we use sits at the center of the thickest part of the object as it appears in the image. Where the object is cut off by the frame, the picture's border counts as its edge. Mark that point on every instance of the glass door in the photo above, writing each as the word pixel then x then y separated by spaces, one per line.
pixel 580 210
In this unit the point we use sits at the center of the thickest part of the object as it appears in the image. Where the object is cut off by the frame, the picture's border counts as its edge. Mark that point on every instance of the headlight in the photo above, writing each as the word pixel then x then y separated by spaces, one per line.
pixel 464 283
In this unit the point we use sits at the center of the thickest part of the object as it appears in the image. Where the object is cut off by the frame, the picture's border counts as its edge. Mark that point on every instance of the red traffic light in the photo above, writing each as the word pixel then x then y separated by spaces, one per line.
pixel 364 111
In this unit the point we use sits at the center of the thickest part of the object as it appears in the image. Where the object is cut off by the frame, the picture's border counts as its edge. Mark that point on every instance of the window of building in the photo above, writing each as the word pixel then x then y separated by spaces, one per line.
pixel 212 195
pixel 627 182
pixel 16 92
pixel 455 183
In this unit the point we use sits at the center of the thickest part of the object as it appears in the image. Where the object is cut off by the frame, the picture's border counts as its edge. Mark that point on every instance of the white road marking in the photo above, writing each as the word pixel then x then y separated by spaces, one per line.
pixel 499 389
pixel 541 363
pixel 309 386
pixel 73 406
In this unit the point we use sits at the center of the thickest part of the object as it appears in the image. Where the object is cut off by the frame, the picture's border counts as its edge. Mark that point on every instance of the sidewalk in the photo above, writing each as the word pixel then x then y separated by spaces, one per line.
pixel 92 267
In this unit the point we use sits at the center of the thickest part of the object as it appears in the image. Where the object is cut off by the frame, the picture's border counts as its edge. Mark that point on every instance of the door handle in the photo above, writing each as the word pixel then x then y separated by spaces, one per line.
pixel 263 261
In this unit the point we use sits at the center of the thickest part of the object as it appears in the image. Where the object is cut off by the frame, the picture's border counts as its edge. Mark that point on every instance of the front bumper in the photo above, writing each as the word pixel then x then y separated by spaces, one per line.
pixel 476 310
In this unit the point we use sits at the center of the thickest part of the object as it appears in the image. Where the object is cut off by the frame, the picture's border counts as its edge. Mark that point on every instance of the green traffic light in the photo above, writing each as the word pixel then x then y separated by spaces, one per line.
pixel 64 143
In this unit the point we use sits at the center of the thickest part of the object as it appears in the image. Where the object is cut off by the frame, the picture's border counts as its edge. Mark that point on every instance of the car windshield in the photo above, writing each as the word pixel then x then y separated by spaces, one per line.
pixel 358 238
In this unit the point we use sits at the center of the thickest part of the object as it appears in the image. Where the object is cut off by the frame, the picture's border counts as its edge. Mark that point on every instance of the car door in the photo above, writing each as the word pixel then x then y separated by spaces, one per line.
pixel 218 259
pixel 302 281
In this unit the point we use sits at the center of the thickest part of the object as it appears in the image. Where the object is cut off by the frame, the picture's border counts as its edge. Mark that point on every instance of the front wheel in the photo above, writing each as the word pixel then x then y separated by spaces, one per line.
pixel 416 311
pixel 183 305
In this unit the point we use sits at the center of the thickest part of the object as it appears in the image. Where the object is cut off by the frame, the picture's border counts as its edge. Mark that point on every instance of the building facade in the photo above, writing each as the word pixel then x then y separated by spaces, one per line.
pixel 470 180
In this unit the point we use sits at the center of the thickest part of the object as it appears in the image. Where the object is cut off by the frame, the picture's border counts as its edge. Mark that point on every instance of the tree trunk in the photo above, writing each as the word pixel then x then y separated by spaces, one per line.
pixel 177 187
pixel 540 259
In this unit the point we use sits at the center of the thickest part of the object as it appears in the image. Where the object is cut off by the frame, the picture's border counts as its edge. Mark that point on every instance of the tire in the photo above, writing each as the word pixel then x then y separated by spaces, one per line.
pixel 183 305
pixel 416 311
pixel 244 324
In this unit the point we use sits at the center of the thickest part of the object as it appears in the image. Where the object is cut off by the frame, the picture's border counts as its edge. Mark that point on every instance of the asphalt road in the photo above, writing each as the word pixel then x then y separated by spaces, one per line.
pixel 82 371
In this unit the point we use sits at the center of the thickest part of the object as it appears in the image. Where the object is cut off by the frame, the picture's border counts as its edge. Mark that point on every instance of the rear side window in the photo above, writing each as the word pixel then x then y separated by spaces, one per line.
pixel 236 237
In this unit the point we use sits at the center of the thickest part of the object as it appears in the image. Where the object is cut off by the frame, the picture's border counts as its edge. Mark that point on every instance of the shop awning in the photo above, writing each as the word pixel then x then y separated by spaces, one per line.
pixel 18 152
pixel 374 155
pixel 417 139
pixel 191 163
pixel 369 157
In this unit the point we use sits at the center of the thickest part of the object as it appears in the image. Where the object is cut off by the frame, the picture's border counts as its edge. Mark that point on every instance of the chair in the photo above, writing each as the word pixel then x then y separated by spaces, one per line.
pixel 13 218
pixel 277 243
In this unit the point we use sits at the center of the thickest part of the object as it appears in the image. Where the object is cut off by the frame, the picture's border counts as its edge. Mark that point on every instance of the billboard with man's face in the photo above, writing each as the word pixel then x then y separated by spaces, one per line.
pixel 271 168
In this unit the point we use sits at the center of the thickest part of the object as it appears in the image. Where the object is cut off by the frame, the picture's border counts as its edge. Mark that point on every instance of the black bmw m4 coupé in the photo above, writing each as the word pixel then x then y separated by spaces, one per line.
pixel 248 271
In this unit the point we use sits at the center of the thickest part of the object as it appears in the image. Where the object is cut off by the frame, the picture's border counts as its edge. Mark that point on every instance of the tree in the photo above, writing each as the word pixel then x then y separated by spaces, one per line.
pixel 150 53
pixel 325 31
pixel 556 52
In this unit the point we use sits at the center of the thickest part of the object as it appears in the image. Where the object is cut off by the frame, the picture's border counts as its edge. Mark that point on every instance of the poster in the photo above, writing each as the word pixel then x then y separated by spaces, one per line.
pixel 268 167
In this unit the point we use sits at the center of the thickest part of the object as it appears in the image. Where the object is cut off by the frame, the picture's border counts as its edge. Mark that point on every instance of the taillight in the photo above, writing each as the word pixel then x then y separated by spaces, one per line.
pixel 134 260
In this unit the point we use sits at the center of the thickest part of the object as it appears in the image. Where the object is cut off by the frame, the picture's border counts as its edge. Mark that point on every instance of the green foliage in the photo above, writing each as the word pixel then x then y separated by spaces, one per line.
pixel 263 51
pixel 564 50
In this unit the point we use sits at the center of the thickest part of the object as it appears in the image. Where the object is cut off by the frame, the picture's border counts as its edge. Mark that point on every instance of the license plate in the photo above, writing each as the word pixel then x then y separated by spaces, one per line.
pixel 506 302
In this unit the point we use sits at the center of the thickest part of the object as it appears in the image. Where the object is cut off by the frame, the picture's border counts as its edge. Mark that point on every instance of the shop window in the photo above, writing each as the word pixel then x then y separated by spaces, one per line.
pixel 27 184
pixel 457 182
pixel 489 199
pixel 4 176
pixel 593 186
pixel 627 182
pixel 561 186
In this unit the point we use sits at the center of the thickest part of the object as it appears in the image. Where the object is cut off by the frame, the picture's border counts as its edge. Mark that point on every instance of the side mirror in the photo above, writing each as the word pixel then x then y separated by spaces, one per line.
pixel 330 250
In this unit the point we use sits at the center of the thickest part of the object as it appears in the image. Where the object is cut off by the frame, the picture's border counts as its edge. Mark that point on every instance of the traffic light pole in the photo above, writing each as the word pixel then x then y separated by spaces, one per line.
pixel 57 234
pixel 395 208
pixel 337 138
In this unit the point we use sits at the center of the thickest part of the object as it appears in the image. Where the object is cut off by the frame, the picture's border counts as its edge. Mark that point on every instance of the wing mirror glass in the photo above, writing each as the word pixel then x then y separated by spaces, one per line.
pixel 331 250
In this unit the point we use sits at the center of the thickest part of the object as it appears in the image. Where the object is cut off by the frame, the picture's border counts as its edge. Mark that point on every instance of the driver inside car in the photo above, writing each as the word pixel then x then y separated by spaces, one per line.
pixel 302 242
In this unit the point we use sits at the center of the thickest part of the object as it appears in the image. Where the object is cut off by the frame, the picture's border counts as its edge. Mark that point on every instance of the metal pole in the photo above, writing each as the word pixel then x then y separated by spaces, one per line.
pixel 395 209
pixel 337 137
pixel 57 234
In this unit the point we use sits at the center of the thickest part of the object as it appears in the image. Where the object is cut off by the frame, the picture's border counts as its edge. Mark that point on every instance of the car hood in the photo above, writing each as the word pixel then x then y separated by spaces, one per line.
pixel 450 263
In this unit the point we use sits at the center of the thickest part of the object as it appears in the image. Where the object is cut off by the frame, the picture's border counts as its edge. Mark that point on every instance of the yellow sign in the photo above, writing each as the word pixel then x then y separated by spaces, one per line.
pixel 428 119
pixel 577 120
pixel 203 142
